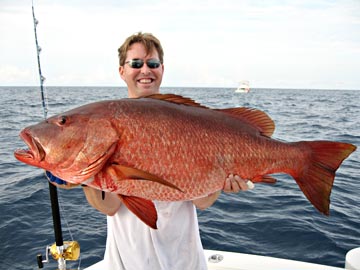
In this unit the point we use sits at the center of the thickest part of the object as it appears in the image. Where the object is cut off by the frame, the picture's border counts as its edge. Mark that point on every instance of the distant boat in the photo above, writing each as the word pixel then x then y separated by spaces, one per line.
pixel 244 87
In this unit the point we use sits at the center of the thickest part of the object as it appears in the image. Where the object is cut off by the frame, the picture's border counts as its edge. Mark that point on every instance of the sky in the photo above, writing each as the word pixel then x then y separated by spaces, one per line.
pixel 306 44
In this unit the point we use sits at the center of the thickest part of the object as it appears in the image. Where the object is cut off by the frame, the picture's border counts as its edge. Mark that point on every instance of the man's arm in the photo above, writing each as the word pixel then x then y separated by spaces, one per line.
pixel 108 204
pixel 205 202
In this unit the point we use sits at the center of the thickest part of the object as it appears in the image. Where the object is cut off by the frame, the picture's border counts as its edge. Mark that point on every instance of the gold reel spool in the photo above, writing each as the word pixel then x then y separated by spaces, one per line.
pixel 71 251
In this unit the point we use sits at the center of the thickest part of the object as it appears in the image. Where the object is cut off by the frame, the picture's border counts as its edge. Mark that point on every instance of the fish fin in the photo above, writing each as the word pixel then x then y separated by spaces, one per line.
pixel 263 179
pixel 142 208
pixel 124 172
pixel 256 118
pixel 177 99
pixel 259 119
pixel 316 178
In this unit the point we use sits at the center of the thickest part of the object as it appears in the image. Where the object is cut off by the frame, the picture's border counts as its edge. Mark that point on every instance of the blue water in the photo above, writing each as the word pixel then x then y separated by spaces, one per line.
pixel 274 220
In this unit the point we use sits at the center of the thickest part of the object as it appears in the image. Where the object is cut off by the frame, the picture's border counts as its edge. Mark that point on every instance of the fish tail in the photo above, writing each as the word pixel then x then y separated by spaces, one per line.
pixel 316 177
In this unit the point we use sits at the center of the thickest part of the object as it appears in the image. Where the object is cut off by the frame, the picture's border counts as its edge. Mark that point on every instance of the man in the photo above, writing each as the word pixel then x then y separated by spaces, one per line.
pixel 130 243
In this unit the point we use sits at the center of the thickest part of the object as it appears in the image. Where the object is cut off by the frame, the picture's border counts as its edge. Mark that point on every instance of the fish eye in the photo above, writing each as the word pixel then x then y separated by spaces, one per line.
pixel 62 120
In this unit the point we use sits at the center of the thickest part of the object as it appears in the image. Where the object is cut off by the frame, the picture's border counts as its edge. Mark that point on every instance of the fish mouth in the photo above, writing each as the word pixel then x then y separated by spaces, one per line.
pixel 35 152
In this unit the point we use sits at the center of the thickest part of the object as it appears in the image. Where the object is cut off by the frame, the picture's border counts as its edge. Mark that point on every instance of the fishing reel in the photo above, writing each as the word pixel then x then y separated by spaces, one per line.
pixel 69 251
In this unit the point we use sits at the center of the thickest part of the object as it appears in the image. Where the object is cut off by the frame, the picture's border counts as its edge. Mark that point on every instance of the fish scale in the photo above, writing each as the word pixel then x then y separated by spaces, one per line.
pixel 179 162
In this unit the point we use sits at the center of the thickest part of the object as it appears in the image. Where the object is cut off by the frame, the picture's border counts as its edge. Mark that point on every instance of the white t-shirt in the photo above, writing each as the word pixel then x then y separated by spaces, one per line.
pixel 176 243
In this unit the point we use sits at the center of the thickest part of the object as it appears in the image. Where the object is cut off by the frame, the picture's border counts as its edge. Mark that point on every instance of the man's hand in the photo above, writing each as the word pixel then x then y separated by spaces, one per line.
pixel 59 182
pixel 234 183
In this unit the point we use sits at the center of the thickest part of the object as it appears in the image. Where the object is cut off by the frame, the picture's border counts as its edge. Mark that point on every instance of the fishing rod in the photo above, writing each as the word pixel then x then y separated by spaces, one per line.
pixel 60 250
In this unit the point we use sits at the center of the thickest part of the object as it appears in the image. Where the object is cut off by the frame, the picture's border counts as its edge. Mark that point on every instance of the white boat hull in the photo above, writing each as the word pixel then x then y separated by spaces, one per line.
pixel 241 261
pixel 244 87
pixel 223 260
pixel 242 91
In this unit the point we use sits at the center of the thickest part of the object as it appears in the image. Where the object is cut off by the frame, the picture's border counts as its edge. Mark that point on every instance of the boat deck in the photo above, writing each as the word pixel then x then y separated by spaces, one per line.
pixel 222 260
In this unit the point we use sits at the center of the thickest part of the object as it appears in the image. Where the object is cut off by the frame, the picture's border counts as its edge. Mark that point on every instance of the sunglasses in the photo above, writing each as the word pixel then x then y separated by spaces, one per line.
pixel 138 63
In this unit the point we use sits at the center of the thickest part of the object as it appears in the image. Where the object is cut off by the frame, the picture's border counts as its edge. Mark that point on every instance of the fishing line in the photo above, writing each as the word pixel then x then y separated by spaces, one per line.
pixel 61 204
pixel 52 188
pixel 42 78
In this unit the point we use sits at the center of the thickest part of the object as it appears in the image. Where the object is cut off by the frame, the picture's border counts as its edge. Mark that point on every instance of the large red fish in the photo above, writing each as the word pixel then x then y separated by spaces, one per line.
pixel 166 147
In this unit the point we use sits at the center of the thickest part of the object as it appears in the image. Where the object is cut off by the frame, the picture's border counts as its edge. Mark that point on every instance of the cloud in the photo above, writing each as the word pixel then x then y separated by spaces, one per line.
pixel 13 75
pixel 271 43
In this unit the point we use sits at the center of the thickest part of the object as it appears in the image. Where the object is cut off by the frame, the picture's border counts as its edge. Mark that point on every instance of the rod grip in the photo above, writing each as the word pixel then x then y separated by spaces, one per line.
pixel 40 261
pixel 56 215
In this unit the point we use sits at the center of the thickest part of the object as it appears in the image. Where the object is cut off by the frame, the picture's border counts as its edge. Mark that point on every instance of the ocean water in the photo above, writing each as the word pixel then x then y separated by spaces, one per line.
pixel 273 220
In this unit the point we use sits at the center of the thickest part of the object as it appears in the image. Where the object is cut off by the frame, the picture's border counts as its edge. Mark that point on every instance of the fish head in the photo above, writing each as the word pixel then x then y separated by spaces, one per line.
pixel 73 145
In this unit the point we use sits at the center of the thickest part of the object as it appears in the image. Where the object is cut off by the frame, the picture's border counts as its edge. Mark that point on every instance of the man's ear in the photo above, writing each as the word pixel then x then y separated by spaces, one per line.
pixel 121 72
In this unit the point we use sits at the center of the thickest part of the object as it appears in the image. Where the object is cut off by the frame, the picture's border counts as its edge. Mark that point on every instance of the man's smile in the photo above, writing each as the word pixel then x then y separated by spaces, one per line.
pixel 145 80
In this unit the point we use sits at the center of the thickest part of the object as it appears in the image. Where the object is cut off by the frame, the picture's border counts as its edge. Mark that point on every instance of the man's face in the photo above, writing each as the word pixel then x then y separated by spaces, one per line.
pixel 143 81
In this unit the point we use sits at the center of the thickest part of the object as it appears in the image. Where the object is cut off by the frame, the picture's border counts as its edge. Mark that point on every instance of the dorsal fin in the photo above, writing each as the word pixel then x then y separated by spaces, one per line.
pixel 256 118
pixel 176 99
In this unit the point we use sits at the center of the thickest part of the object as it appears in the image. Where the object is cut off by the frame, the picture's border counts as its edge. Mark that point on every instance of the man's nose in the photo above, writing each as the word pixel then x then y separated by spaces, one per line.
pixel 145 69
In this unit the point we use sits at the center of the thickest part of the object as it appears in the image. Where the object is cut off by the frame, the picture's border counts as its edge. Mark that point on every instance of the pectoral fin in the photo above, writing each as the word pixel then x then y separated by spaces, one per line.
pixel 127 173
pixel 142 208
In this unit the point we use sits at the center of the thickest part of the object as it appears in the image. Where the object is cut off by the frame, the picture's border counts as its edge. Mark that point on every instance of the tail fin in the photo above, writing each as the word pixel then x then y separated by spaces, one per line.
pixel 317 178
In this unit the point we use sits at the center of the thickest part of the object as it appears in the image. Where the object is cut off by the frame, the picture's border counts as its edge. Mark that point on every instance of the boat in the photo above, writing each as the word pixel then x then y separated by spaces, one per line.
pixel 244 87
pixel 224 260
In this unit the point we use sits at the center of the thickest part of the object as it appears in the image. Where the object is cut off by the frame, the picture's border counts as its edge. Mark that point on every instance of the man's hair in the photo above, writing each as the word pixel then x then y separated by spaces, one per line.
pixel 149 41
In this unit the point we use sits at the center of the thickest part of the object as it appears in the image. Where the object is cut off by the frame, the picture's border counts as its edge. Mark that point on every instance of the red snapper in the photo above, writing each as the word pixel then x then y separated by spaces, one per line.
pixel 169 148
